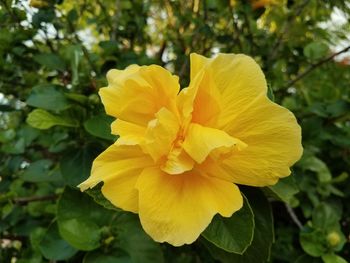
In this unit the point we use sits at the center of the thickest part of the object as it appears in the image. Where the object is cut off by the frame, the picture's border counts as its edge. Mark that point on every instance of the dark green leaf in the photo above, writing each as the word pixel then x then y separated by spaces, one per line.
pixel 98 197
pixel 100 126
pixel 234 234
pixel 133 240
pixel 76 163
pixel 285 189
pixel 51 61
pixel 80 219
pixel 325 217
pixel 39 171
pixel 48 97
pixel 316 50
pixel 313 242
pixel 259 250
pixel 53 247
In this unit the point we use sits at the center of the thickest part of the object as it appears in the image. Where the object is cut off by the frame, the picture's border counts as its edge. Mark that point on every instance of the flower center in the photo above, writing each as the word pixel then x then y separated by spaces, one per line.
pixel 177 161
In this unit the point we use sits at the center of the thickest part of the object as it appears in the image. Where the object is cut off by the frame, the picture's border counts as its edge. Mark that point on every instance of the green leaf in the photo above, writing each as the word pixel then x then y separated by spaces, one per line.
pixel 332 258
pixel 132 239
pixel 234 234
pixel 313 242
pixel 53 247
pixel 76 163
pixel 102 257
pixel 80 233
pixel 14 147
pixel 51 61
pixel 316 50
pixel 42 119
pixel 77 97
pixel 338 108
pixel 7 135
pixel 312 163
pixel 259 250
pixel 48 97
pixel 80 219
pixel 100 126
pixel 98 197
pixel 325 217
pixel 285 189
pixel 39 171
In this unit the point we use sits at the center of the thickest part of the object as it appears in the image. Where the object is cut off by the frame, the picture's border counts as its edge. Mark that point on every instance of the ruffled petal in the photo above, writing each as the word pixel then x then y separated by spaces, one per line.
pixel 160 134
pixel 273 137
pixel 230 84
pixel 119 168
pixel 200 141
pixel 176 209
pixel 129 133
pixel 137 93
pixel 270 131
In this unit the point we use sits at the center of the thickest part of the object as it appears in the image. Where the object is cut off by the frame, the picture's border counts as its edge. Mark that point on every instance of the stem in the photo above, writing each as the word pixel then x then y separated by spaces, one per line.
pixel 312 67
pixel 26 200
pixel 294 216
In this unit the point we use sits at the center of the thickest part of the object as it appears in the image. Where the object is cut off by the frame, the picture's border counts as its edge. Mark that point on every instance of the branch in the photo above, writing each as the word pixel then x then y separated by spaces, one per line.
pixel 312 67
pixel 26 200
pixel 294 216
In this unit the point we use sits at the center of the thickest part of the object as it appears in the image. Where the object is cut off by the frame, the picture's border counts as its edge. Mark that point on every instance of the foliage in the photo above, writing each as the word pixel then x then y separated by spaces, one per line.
pixel 53 58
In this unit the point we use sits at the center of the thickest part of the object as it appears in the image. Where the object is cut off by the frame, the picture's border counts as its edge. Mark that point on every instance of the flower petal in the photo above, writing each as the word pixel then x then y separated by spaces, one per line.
pixel 137 93
pixel 118 167
pixel 177 208
pixel 160 134
pixel 232 82
pixel 200 141
pixel 273 137
pixel 130 133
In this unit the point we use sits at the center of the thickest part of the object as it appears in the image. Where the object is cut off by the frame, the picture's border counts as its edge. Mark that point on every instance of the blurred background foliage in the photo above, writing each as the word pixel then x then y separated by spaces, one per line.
pixel 53 59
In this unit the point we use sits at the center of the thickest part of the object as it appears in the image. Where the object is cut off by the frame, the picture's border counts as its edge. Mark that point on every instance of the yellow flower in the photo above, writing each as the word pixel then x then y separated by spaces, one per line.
pixel 181 154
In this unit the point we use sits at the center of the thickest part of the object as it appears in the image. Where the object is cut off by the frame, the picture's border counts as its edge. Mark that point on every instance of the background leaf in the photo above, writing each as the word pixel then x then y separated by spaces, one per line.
pixel 81 229
pixel 47 97
pixel 53 247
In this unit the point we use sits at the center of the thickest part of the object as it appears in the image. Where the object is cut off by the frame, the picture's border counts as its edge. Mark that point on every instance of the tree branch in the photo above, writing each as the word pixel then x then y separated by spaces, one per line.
pixel 26 200
pixel 312 67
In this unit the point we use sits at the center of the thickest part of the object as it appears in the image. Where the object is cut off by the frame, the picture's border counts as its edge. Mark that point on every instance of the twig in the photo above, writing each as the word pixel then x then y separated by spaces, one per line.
pixel 294 216
pixel 312 67
pixel 26 200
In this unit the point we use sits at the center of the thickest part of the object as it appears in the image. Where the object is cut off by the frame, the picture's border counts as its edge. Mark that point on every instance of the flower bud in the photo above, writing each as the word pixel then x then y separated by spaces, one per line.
pixel 333 239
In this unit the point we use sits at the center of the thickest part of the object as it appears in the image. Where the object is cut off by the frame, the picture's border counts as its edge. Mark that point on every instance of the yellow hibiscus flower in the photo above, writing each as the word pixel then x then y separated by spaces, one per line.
pixel 181 154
